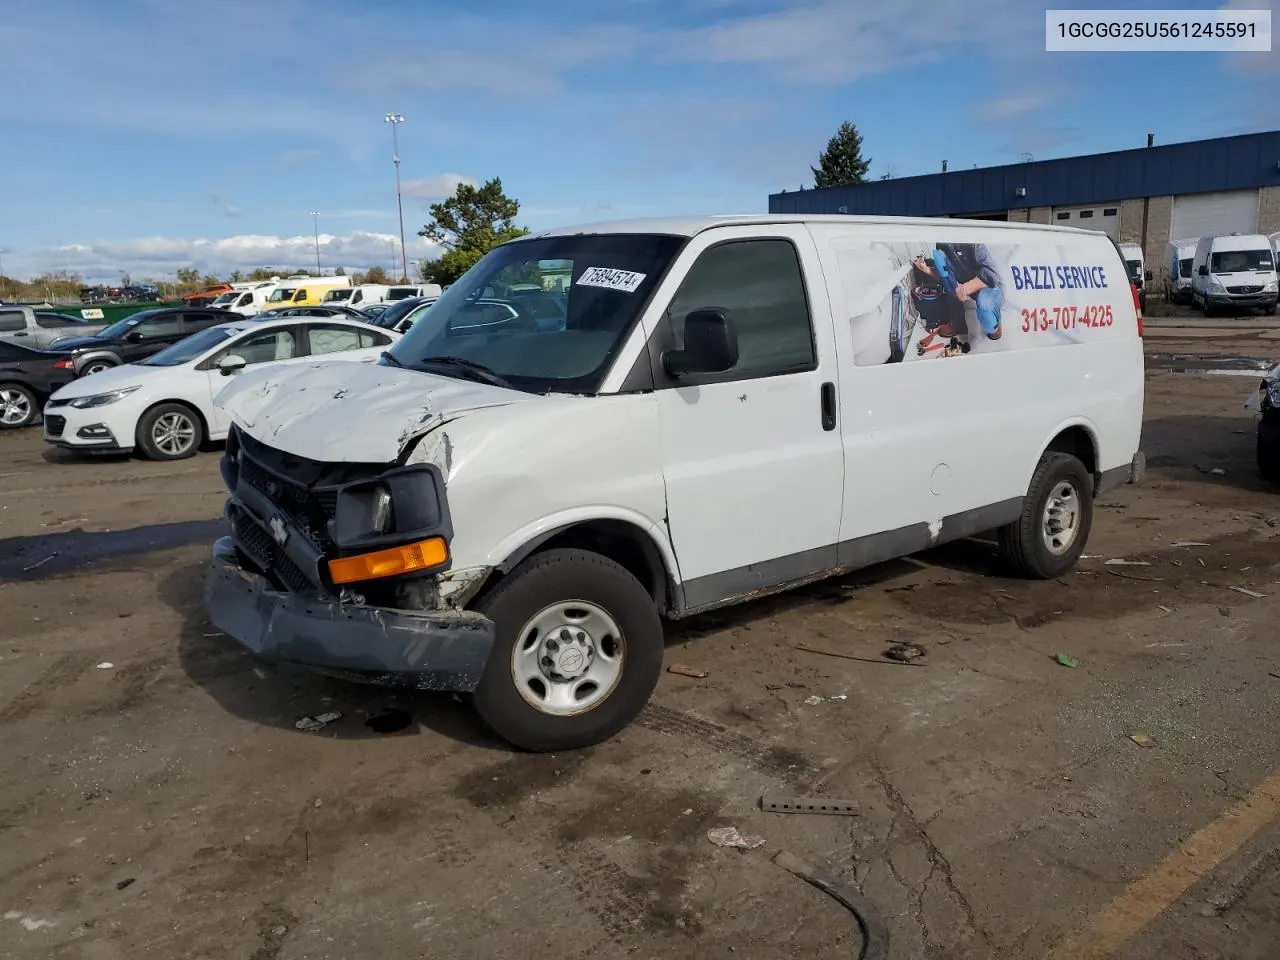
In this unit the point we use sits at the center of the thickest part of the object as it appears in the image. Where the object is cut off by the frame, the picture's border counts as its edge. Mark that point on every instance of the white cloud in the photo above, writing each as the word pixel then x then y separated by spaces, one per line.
pixel 160 257
pixel 1014 106
pixel 435 187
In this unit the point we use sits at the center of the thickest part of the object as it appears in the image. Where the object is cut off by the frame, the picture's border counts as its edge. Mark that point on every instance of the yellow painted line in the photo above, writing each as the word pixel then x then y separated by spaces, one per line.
pixel 1144 900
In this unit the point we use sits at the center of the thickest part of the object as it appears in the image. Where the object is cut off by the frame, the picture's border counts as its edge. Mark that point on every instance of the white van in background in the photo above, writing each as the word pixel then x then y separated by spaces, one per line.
pixel 1177 285
pixel 1235 272
pixel 405 291
pixel 768 401
pixel 1138 275
pixel 356 297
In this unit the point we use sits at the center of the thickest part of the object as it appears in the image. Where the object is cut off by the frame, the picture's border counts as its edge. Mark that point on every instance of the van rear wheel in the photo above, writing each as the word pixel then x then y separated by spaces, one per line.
pixel 578 652
pixel 1057 515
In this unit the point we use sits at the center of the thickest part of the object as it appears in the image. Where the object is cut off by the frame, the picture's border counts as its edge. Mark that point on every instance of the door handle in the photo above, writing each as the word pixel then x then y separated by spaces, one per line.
pixel 828 406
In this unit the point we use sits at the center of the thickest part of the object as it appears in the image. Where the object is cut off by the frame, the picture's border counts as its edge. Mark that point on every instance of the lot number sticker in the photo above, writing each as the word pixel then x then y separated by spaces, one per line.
pixel 611 279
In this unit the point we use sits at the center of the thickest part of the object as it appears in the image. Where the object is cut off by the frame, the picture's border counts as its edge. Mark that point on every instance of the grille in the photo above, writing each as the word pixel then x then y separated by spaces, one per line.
pixel 53 426
pixel 257 543
pixel 309 513
pixel 1247 289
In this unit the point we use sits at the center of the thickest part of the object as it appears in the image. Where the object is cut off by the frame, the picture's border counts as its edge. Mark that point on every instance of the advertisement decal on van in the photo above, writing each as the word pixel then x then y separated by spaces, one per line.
pixel 910 301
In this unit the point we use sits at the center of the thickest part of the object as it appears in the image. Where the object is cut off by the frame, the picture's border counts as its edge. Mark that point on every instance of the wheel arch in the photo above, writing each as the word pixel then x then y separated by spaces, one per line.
pixel 632 542
pixel 1079 438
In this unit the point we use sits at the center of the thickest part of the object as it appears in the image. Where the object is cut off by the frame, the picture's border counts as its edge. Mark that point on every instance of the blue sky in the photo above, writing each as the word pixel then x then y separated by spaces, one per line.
pixel 144 135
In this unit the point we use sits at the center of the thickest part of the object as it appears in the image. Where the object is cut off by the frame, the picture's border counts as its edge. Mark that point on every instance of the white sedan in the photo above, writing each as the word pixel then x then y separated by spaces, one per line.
pixel 163 405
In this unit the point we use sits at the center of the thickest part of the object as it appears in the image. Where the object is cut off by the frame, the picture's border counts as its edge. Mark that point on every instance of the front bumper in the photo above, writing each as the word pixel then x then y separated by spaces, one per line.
pixel 97 428
pixel 431 650
pixel 1267 299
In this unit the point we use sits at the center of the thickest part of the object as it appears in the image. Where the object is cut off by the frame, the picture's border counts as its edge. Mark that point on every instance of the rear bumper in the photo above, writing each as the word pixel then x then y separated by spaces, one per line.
pixel 432 650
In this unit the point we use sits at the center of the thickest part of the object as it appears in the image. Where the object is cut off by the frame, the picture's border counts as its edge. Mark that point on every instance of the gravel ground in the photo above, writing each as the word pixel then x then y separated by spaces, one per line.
pixel 156 800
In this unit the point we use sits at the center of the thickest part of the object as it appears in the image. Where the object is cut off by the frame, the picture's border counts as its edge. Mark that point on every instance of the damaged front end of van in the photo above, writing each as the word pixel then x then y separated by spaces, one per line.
pixel 338 545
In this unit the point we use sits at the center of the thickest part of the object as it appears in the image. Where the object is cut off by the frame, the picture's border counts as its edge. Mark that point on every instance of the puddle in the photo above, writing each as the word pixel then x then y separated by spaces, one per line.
pixel 1219 366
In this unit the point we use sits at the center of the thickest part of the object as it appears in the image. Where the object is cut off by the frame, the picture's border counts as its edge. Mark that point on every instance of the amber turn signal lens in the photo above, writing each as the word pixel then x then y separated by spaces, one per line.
pixel 422 555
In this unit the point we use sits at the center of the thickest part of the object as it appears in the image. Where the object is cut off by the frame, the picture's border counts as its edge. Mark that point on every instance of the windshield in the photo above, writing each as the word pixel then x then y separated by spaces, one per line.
pixel 546 315
pixel 281 293
pixel 225 298
pixel 188 349
pixel 1239 261
pixel 343 293
pixel 399 293
pixel 1135 269
pixel 1184 268
pixel 121 327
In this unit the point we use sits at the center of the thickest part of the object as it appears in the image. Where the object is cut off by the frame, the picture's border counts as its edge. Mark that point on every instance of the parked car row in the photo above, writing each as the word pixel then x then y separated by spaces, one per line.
pixel 250 299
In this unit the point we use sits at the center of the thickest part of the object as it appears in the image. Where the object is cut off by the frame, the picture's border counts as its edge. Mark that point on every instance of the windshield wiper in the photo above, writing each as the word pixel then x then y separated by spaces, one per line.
pixel 478 370
pixel 386 355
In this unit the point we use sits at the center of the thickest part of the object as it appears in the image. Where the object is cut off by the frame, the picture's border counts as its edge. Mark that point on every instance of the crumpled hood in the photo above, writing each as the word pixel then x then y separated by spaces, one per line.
pixel 346 411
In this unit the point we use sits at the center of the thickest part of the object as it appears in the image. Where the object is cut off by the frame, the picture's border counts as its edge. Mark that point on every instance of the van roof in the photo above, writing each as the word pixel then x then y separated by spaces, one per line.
pixel 691 226
pixel 1240 241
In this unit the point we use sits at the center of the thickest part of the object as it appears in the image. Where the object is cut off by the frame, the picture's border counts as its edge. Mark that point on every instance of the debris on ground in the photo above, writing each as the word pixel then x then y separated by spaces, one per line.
pixel 875 933
pixel 1126 563
pixel 1142 739
pixel 905 652
pixel 1164 608
pixel 1188 543
pixel 389 721
pixel 39 563
pixel 680 670
pixel 1130 576
pixel 317 722
pixel 730 837
pixel 106 665
pixel 846 656
pixel 126 882
pixel 1066 660
pixel 817 805
pixel 1218 472
pixel 813 701
pixel 1249 593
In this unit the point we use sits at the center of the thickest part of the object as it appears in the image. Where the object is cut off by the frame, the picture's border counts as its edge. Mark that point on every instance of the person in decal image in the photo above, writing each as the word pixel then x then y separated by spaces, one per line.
pixel 967 272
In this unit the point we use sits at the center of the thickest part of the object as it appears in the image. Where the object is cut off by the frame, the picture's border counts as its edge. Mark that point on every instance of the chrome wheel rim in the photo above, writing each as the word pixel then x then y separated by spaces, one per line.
pixel 568 658
pixel 15 407
pixel 173 433
pixel 96 368
pixel 1061 521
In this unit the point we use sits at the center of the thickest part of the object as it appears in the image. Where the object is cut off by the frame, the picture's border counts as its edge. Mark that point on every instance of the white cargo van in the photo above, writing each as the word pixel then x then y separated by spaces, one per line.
pixel 1182 255
pixel 249 299
pixel 727 407
pixel 1236 272
pixel 360 296
pixel 1138 275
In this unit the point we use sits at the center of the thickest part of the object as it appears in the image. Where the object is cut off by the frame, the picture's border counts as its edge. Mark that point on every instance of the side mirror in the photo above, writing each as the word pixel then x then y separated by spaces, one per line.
pixel 710 345
pixel 1149 275
pixel 133 336
pixel 231 363
pixel 1203 271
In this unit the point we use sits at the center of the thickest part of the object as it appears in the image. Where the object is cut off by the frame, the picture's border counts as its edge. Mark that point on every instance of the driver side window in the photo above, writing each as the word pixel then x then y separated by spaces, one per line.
pixel 160 327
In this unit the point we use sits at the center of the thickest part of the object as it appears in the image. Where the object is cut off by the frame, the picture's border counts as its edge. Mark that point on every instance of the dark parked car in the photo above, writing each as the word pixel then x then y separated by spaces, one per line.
pixel 390 318
pixel 27 378
pixel 134 338
pixel 321 310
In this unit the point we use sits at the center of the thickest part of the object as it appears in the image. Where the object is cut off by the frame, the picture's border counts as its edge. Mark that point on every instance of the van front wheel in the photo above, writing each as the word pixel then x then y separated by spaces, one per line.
pixel 578 652
pixel 1057 514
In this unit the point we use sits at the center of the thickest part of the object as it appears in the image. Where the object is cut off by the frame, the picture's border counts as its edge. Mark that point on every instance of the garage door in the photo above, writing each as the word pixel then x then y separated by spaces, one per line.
pixel 1214 214
pixel 1104 217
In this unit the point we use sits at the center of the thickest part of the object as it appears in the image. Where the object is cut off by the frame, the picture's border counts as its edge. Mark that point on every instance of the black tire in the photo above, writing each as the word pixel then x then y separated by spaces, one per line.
pixel 1268 460
pixel 19 406
pixel 542 581
pixel 1271 310
pixel 1022 543
pixel 155 448
pixel 96 366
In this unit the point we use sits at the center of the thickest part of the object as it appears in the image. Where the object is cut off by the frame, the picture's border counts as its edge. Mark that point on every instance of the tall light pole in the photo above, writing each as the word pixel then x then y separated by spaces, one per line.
pixel 315 228
pixel 395 120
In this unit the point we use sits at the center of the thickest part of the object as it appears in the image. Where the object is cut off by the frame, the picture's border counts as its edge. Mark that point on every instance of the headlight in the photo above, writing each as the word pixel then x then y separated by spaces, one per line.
pixel 1216 284
pixel 1271 286
pixel 102 399
pixel 1272 388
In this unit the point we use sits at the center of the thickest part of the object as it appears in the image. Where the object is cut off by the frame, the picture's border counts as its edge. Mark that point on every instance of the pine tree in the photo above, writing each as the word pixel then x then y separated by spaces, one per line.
pixel 842 162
